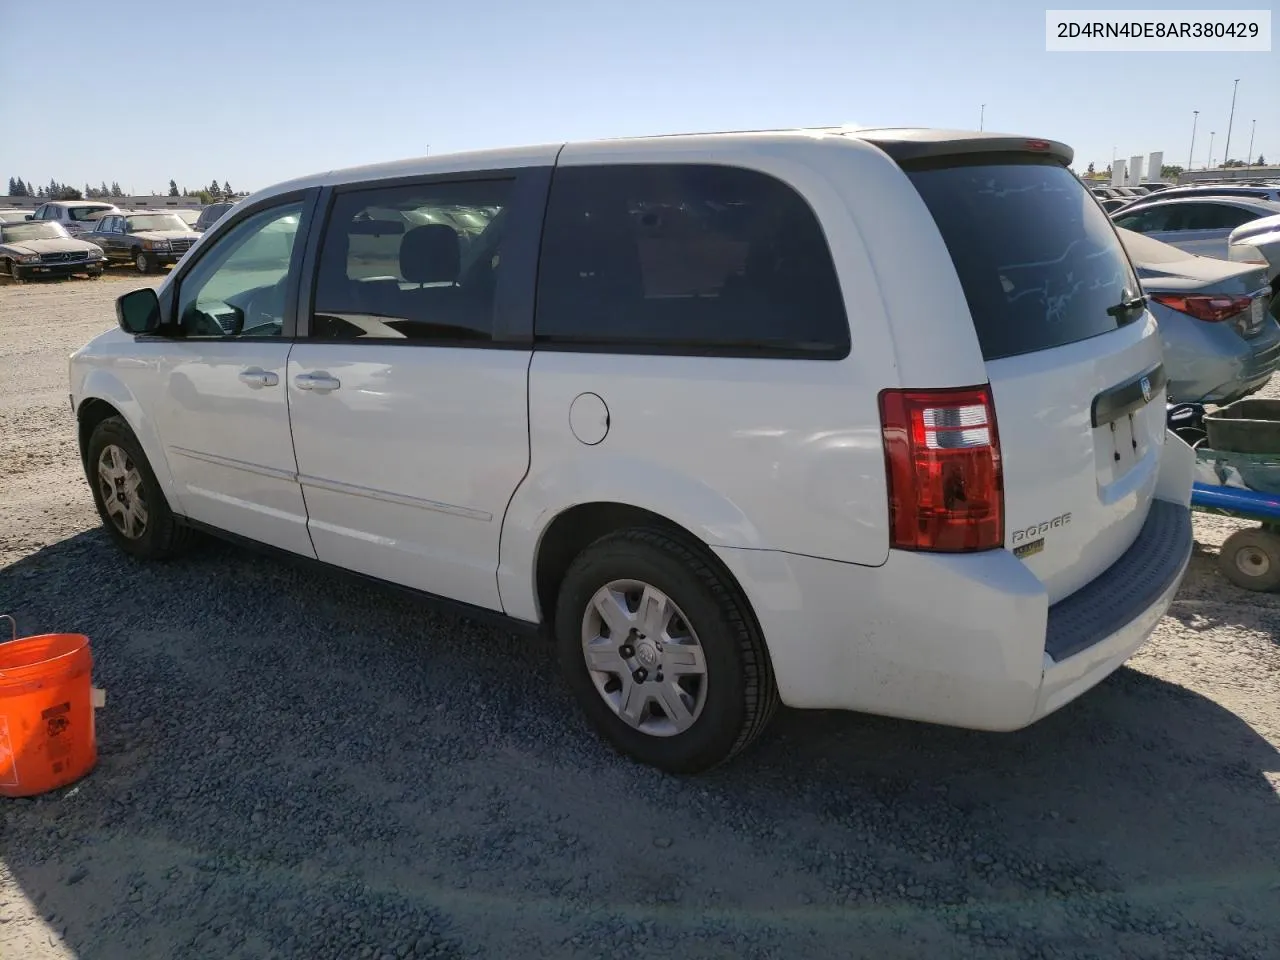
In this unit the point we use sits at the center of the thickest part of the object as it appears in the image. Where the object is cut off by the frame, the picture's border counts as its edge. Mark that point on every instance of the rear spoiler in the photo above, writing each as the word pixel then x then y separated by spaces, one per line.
pixel 909 145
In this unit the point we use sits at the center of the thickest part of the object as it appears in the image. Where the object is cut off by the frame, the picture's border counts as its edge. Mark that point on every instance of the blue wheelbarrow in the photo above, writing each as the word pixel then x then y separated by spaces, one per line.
pixel 1238 475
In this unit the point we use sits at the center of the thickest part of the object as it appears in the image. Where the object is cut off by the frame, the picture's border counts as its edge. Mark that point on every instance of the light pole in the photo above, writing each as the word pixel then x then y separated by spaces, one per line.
pixel 982 116
pixel 1210 163
pixel 1226 152
pixel 1195 117
pixel 1253 126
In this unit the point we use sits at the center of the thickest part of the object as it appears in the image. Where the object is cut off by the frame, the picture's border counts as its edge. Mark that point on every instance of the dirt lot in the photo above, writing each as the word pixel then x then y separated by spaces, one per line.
pixel 295 765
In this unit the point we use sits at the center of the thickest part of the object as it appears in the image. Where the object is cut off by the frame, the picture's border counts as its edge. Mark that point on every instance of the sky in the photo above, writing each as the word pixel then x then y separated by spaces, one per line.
pixel 257 92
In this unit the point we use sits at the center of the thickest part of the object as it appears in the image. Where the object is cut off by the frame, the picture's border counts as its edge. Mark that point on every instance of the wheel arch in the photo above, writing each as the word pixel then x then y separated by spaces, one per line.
pixel 576 527
pixel 101 395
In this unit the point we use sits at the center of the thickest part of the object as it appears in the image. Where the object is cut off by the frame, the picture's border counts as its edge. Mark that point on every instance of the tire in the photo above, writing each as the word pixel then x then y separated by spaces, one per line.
pixel 1251 559
pixel 153 533
pixel 12 272
pixel 143 262
pixel 724 709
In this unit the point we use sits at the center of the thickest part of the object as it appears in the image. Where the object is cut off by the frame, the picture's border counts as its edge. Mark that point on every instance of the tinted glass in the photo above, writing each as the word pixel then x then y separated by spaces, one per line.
pixel 417 263
pixel 239 287
pixel 1214 216
pixel 687 258
pixel 86 214
pixel 1038 260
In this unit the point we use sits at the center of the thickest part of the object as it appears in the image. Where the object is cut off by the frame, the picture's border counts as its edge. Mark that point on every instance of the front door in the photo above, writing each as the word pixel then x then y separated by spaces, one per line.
pixel 224 421
pixel 408 396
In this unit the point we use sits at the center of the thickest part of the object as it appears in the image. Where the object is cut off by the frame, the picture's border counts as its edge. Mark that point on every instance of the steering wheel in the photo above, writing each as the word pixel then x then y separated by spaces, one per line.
pixel 265 308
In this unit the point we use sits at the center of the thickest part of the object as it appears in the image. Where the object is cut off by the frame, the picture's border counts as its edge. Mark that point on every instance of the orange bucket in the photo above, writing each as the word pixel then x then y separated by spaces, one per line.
pixel 47 737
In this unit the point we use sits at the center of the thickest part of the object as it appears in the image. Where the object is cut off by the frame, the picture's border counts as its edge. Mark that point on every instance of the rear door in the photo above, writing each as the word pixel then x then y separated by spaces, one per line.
pixel 408 392
pixel 1076 377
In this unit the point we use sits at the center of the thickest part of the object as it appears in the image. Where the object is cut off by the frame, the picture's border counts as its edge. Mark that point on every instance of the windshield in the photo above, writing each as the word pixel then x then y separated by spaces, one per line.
pixel 85 214
pixel 19 232
pixel 1039 262
pixel 156 221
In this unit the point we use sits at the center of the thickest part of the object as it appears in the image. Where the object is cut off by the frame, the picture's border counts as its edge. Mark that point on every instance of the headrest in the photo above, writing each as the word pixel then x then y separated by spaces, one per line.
pixel 430 254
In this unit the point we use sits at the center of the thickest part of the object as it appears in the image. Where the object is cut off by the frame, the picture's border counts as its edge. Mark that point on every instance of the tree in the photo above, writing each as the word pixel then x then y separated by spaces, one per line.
pixel 173 188
pixel 226 187
pixel 1170 171
pixel 205 197
pixel 13 187
pixel 1262 162
pixel 1090 170
pixel 115 189
pixel 1107 172
pixel 69 193
pixel 104 190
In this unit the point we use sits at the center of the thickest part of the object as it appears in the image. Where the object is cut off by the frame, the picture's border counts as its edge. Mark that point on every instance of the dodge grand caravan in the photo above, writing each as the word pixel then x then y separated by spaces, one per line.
pixel 858 419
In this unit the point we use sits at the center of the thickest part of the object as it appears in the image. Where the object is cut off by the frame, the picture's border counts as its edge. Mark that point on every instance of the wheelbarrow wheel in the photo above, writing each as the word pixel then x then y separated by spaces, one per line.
pixel 1251 559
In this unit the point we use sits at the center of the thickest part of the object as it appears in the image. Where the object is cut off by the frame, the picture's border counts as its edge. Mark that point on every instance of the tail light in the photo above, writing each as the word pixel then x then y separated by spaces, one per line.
pixel 942 456
pixel 1211 309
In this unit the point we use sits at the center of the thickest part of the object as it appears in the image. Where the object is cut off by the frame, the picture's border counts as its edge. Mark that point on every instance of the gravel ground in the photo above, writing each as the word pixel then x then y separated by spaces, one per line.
pixel 294 765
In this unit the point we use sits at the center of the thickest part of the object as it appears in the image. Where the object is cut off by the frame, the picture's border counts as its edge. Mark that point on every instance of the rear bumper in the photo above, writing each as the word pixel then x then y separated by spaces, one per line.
pixel 1212 363
pixel 961 640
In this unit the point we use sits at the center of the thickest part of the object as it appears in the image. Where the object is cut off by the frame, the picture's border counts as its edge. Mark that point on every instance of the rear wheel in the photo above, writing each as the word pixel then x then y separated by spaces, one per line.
pixel 1251 559
pixel 128 497
pixel 662 653
pixel 142 262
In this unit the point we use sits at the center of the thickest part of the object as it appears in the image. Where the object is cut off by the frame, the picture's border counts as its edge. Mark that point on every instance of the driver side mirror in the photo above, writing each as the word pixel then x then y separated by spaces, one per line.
pixel 138 311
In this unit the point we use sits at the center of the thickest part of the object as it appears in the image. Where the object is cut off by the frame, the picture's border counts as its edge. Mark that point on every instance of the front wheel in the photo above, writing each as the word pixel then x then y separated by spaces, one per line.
pixel 1251 559
pixel 128 496
pixel 142 262
pixel 662 653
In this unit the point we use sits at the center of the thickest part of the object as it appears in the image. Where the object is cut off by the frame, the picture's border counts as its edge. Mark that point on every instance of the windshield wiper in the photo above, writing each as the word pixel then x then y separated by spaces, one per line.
pixel 1124 310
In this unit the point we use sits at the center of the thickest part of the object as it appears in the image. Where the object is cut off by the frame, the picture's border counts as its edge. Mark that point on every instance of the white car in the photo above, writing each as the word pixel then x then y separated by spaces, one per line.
pixel 75 216
pixel 1199 225
pixel 866 420
pixel 1258 242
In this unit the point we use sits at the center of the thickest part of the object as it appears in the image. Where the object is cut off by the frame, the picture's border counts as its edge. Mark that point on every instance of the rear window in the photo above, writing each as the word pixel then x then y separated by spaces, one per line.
pixel 87 214
pixel 1037 257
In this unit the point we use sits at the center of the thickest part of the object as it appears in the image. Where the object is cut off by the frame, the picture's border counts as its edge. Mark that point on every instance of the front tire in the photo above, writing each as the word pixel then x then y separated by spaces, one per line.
pixel 143 262
pixel 128 497
pixel 662 652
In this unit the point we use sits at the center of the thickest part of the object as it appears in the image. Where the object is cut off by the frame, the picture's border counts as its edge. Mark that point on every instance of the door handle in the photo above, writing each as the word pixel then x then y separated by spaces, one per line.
pixel 257 377
pixel 320 382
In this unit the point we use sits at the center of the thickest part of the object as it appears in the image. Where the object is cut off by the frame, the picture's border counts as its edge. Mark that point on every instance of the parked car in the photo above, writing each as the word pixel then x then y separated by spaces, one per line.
pixel 1258 242
pixel 1250 192
pixel 147 240
pixel 211 214
pixel 1155 186
pixel 1221 340
pixel 45 249
pixel 1196 225
pixel 716 412
pixel 76 216
pixel 8 215
pixel 1110 205
pixel 189 217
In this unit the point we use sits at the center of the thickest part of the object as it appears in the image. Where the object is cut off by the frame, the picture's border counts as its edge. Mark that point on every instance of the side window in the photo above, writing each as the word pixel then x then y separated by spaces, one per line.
pixel 1218 216
pixel 1154 220
pixel 689 258
pixel 42 213
pixel 238 288
pixel 417 263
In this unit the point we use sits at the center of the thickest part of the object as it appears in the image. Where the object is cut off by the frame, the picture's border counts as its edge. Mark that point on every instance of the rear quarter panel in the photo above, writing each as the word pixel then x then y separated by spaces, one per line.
pixel 765 454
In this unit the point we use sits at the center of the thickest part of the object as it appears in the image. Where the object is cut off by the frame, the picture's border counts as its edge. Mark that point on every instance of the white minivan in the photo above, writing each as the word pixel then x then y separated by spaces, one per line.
pixel 860 419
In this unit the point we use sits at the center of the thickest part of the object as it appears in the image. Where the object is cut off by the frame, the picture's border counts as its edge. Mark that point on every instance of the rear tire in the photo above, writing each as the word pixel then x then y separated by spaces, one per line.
pixel 142 262
pixel 128 496
pixel 718 692
pixel 1251 559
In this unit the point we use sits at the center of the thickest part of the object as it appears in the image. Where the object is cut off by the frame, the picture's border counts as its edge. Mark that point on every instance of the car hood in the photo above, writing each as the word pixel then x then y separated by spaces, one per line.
pixel 166 234
pixel 51 245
